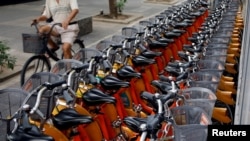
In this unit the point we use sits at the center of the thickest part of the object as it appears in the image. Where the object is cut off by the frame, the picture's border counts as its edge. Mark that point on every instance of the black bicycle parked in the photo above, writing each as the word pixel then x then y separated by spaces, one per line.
pixel 41 60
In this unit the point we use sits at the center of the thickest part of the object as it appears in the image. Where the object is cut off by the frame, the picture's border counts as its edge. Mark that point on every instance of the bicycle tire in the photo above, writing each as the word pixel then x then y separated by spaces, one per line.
pixel 229 113
pixel 40 63
pixel 78 44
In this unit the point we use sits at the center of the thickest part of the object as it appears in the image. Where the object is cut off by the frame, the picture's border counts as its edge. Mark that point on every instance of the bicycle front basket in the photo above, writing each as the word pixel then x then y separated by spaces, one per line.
pixel 47 101
pixel 200 97
pixel 32 43
pixel 11 100
pixel 190 123
pixel 63 66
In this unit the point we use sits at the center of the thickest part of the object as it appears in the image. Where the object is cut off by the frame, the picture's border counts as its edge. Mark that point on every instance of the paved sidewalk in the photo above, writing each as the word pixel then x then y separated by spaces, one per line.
pixel 16 19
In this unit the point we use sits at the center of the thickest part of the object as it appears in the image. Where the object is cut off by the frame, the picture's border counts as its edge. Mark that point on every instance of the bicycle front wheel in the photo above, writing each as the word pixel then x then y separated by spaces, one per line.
pixel 35 64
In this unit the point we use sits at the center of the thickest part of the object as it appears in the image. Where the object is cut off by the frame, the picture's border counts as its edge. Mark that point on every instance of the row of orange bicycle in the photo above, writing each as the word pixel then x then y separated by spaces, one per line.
pixel 167 78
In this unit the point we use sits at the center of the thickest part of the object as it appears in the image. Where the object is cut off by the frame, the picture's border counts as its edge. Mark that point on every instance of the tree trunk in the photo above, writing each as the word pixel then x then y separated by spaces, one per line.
pixel 113 9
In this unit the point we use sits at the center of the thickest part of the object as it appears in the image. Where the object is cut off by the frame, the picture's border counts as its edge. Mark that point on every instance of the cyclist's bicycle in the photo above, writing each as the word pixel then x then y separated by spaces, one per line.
pixel 37 44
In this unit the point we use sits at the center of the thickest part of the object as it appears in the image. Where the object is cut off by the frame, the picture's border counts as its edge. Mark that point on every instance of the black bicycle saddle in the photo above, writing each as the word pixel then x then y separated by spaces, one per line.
pixel 151 98
pixel 189 21
pixel 183 55
pixel 95 97
pixel 32 134
pixel 134 123
pixel 162 86
pixel 171 34
pixel 156 44
pixel 165 40
pixel 178 31
pixel 110 82
pixel 150 54
pixel 192 49
pixel 182 24
pixel 68 118
pixel 142 61
pixel 172 71
pixel 127 72
pixel 179 64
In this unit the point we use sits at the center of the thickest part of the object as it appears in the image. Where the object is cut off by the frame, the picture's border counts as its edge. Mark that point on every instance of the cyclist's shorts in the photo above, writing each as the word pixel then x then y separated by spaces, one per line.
pixel 69 35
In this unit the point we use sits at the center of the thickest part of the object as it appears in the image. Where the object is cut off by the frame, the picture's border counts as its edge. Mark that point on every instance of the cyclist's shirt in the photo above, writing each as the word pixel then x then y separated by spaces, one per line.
pixel 60 10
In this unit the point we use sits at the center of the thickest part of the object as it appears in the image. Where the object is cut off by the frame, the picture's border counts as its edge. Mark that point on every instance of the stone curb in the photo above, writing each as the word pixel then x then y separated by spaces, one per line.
pixel 162 2
pixel 133 18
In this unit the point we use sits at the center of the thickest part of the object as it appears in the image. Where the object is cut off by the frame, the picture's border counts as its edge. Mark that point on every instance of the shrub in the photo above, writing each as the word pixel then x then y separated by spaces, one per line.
pixel 6 60
pixel 120 5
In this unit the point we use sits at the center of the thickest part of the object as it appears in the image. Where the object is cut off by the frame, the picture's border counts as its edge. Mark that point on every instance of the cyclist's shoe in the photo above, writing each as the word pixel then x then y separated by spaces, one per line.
pixel 53 51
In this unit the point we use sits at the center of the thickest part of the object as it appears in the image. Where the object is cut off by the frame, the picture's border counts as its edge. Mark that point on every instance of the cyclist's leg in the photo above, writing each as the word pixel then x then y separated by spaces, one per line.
pixel 54 35
pixel 67 50
pixel 52 43
pixel 68 39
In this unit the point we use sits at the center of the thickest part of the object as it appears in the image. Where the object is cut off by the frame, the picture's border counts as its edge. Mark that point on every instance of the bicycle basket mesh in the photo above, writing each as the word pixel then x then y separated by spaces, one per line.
pixel 47 102
pixel 205 84
pixel 32 43
pixel 220 40
pixel 140 28
pixel 145 23
pixel 201 97
pixel 129 31
pixel 118 38
pixel 86 54
pixel 63 66
pixel 104 44
pixel 210 65
pixel 205 76
pixel 11 100
pixel 221 58
pixel 154 20
pixel 121 38
pixel 225 32
pixel 216 51
pixel 218 45
pixel 190 123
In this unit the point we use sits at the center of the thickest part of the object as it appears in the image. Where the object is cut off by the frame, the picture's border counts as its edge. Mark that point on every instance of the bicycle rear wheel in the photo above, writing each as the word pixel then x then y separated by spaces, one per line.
pixel 35 64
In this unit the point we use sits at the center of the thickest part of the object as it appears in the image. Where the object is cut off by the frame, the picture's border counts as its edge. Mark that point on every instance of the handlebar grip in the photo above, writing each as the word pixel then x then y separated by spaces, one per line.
pixel 92 79
pixel 81 67
pixel 164 78
pixel 106 65
pixel 47 86
pixel 142 48
pixel 51 86
pixel 125 52
pixel 67 97
pixel 174 64
pixel 168 97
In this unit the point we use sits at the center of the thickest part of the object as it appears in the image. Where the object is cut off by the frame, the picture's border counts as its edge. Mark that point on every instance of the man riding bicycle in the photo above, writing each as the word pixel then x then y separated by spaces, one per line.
pixel 64 12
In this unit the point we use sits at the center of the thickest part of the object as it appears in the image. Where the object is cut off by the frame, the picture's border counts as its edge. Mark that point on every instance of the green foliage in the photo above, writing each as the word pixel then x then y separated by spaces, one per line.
pixel 120 4
pixel 6 60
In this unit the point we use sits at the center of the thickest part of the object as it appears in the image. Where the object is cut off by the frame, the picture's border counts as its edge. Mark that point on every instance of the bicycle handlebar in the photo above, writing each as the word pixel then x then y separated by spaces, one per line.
pixel 46 86
pixel 35 23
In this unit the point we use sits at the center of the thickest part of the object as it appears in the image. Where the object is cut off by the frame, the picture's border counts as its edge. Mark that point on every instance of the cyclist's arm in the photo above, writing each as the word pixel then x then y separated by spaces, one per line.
pixel 41 18
pixel 71 16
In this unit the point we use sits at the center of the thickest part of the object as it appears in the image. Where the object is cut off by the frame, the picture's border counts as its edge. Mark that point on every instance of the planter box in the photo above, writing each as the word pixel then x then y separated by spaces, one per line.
pixel 85 25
